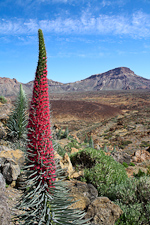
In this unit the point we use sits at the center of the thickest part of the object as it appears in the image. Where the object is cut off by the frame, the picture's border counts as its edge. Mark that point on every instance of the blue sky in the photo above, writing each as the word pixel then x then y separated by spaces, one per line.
pixel 82 37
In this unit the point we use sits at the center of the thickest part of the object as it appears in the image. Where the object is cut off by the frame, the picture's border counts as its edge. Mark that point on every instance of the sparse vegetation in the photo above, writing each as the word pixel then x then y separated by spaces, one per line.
pixel 72 144
pixel 139 174
pixel 132 164
pixel 91 143
pixel 145 144
pixel 125 164
pixel 124 143
pixel 62 134
pixel 3 99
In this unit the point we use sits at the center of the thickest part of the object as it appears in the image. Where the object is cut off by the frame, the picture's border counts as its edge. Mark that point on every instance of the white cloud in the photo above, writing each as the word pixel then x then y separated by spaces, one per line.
pixel 137 26
pixel 114 2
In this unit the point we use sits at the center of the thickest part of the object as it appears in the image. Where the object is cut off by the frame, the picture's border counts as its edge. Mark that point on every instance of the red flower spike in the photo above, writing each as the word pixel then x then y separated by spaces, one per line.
pixel 39 135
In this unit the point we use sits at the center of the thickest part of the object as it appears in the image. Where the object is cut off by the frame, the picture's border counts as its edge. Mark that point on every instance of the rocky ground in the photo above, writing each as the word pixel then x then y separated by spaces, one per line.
pixel 112 119
pixel 120 119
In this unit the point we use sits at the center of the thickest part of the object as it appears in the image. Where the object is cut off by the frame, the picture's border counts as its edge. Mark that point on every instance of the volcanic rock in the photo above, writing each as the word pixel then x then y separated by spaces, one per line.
pixel 103 211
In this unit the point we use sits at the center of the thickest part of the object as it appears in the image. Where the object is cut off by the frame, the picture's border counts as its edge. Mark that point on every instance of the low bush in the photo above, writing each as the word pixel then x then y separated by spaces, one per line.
pixel 139 174
pixel 123 144
pixel 72 144
pixel 3 99
pixel 125 164
pixel 145 144
pixel 132 164
pixel 100 170
pixel 62 134
pixel 134 199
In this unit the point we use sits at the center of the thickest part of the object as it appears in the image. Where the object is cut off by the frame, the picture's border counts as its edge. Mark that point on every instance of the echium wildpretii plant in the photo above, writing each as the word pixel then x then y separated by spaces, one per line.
pixel 45 200
pixel 17 121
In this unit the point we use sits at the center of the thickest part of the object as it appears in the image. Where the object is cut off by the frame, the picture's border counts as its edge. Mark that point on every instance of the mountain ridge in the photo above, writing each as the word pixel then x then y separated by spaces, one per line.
pixel 120 78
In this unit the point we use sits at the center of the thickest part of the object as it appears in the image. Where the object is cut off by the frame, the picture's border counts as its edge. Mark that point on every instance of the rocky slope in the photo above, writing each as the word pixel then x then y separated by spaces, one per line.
pixel 121 78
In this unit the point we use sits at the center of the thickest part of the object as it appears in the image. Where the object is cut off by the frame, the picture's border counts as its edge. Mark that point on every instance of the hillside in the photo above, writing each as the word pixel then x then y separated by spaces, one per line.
pixel 121 78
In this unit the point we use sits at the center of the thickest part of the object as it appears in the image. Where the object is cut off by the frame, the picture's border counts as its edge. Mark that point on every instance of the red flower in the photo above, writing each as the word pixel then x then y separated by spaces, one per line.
pixel 39 135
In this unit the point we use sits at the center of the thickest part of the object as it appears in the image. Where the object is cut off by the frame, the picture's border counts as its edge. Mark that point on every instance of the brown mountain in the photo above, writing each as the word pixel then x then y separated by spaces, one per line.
pixel 121 78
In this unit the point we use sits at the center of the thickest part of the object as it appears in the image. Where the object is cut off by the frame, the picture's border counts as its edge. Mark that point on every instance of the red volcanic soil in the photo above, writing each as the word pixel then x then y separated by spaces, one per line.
pixel 67 109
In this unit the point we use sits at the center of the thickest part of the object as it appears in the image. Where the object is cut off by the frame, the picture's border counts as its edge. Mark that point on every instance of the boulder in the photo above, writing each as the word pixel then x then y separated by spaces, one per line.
pixel 4 210
pixel 5 110
pixel 140 156
pixel 78 174
pixel 10 169
pixel 66 164
pixel 121 157
pixel 17 155
pixel 74 150
pixel 103 212
pixel 82 193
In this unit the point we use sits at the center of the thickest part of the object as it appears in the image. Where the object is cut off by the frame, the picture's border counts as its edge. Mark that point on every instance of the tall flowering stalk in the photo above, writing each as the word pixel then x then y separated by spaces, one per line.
pixel 17 121
pixel 45 200
pixel 40 148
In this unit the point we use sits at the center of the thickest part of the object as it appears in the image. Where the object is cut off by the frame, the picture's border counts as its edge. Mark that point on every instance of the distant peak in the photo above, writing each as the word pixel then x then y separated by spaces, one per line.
pixel 123 69
pixel 114 72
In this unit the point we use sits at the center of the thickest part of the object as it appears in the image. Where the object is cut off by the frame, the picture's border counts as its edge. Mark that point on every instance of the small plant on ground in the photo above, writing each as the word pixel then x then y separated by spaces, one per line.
pixel 114 149
pixel 59 134
pixel 17 121
pixel 91 143
pixel 125 164
pixel 3 99
pixel 62 134
pixel 105 148
pixel 66 133
pixel 73 144
pixel 139 174
pixel 145 144
pixel 86 139
pixel 132 164
pixel 59 149
pixel 123 144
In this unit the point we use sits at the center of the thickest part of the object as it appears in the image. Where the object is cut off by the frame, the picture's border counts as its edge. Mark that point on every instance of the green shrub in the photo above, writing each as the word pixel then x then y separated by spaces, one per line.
pixel 125 164
pixel 134 199
pixel 123 144
pixel 3 99
pixel 91 144
pixel 105 148
pixel 145 144
pixel 62 134
pixel 139 174
pixel 59 134
pixel 132 164
pixel 148 171
pixel 71 144
pixel 100 170
pixel 66 133
pixel 60 150
pixel 86 139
